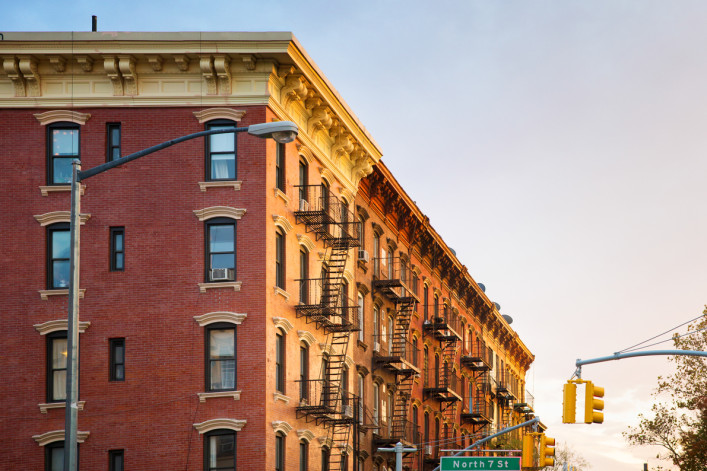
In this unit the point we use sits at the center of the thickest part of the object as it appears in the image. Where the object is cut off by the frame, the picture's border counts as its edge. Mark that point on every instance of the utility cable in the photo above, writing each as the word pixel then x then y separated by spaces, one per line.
pixel 670 339
pixel 634 347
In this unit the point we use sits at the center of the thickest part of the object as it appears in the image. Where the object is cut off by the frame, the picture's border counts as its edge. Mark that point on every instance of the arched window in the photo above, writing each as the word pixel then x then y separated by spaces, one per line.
pixel 376 253
pixel 425 301
pixel 221 151
pixel 304 276
pixel 280 356
pixel 304 372
pixel 58 251
pixel 376 327
pixel 361 318
pixel 376 404
pixel 280 167
pixel 56 366
pixel 280 259
pixel 221 360
pixel 326 453
pixel 361 397
pixel 63 147
pixel 426 360
pixel 279 451
pixel 303 455
pixel 436 307
pixel 220 450
pixel 303 182
pixel 220 249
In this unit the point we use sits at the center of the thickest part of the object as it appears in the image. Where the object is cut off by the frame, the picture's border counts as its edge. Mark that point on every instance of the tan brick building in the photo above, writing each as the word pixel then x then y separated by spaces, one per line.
pixel 245 304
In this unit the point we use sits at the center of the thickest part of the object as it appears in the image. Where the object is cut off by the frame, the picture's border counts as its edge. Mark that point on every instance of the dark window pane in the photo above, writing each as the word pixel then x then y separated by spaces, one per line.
pixel 222 142
pixel 65 142
pixel 221 238
pixel 61 274
pixel 57 459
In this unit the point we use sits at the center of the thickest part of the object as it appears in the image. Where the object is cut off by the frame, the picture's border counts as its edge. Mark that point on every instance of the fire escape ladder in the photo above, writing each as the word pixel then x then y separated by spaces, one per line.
pixel 327 305
pixel 404 308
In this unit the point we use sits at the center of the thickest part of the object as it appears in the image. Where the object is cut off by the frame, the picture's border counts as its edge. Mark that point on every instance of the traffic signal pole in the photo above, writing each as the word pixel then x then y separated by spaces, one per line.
pixel 484 440
pixel 621 356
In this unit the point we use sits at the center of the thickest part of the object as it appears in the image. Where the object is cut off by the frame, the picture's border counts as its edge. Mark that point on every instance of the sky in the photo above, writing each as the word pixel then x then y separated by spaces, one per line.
pixel 558 146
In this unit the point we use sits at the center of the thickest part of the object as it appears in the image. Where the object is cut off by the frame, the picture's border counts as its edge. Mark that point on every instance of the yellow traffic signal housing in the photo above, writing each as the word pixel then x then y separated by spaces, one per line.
pixel 569 404
pixel 547 451
pixel 528 450
pixel 592 405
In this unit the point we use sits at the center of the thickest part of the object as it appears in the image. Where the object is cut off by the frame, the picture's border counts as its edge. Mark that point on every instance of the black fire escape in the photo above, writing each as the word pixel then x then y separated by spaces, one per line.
pixel 396 354
pixel 324 303
pixel 479 410
pixel 441 382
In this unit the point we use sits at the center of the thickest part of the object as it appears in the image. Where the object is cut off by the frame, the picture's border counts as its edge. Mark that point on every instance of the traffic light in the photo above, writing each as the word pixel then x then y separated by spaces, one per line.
pixel 569 404
pixel 547 451
pixel 593 405
pixel 528 450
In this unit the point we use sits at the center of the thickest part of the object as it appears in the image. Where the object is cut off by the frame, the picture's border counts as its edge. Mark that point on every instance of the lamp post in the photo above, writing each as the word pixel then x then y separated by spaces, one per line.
pixel 280 131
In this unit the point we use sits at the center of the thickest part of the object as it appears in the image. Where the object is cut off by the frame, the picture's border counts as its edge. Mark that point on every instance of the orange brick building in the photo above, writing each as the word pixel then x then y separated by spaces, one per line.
pixel 245 304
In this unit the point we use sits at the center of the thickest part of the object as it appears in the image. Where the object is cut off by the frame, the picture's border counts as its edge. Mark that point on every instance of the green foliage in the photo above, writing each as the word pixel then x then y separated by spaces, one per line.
pixel 680 425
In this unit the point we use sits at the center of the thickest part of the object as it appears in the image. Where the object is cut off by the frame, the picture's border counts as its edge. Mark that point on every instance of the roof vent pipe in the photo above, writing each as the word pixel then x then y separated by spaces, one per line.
pixel 94 23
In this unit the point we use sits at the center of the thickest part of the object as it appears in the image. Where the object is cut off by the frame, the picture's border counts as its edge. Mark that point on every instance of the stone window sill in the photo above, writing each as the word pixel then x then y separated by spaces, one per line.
pixel 45 294
pixel 235 285
pixel 43 408
pixel 280 397
pixel 236 395
pixel 47 189
pixel 235 184
pixel 282 293
pixel 280 194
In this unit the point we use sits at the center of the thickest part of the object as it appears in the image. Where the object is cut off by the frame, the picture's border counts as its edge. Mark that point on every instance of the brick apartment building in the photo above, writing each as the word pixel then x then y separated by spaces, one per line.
pixel 244 304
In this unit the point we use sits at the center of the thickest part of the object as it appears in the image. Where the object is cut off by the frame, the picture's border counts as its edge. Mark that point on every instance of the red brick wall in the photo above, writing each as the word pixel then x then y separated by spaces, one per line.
pixel 152 303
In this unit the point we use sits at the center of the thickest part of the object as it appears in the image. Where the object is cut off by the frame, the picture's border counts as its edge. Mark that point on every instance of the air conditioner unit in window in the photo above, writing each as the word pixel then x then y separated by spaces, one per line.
pixel 222 274
pixel 363 255
pixel 303 205
pixel 429 450
pixel 376 346
pixel 348 411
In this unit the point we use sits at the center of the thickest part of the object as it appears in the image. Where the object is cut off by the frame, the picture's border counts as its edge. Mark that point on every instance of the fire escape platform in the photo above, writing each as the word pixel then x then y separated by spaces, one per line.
pixel 475 363
pixel 441 330
pixel 395 364
pixel 441 394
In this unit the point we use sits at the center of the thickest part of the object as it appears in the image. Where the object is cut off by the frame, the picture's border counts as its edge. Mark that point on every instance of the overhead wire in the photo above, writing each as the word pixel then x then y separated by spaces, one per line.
pixel 635 347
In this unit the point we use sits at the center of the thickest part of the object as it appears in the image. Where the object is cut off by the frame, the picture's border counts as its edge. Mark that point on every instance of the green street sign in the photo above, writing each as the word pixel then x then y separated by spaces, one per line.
pixel 453 463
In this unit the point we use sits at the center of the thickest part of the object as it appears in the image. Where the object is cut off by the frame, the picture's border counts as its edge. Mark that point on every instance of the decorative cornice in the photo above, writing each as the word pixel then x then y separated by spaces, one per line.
pixel 306 337
pixel 306 242
pixel 57 435
pixel 282 223
pixel 56 116
pixel 210 114
pixel 57 325
pixel 282 323
pixel 219 212
pixel 305 435
pixel 215 424
pixel 47 219
pixel 281 426
pixel 220 316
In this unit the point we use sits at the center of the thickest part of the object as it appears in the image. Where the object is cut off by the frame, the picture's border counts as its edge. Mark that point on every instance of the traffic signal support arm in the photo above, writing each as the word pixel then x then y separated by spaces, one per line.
pixel 621 356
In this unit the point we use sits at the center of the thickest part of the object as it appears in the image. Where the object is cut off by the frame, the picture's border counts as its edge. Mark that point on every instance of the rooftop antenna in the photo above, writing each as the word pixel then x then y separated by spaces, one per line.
pixel 94 23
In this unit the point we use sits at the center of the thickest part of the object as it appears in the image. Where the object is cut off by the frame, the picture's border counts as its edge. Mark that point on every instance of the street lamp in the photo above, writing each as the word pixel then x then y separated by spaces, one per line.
pixel 281 131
